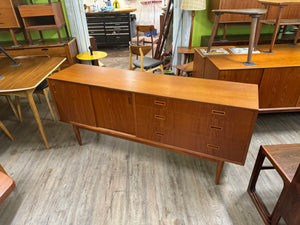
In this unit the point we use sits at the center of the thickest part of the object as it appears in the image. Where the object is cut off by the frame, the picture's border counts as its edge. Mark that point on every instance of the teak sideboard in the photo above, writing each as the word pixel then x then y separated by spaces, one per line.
pixel 202 118
pixel 277 74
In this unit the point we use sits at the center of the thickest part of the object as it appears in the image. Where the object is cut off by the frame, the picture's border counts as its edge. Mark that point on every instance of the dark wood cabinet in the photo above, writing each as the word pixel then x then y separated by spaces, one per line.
pixel 208 119
pixel 109 29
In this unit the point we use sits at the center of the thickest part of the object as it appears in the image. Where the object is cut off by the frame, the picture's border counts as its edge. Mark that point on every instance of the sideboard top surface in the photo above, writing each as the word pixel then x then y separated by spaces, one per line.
pixel 185 88
pixel 282 56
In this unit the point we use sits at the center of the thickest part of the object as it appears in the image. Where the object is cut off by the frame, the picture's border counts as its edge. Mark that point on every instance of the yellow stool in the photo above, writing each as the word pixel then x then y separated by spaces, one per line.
pixel 91 56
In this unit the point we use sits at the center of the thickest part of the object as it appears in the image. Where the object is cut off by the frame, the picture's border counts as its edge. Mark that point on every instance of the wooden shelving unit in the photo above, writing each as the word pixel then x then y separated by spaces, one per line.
pixel 43 17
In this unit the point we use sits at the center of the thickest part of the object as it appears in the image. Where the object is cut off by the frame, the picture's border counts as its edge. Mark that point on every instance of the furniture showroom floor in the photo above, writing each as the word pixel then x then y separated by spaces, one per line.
pixel 111 181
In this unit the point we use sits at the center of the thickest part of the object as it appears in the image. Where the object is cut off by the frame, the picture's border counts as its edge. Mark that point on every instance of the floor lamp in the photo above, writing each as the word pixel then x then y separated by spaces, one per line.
pixel 193 5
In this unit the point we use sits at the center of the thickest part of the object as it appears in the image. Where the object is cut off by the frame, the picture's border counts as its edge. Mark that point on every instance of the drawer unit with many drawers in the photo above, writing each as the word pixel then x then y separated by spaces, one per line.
pixel 109 29
pixel 208 119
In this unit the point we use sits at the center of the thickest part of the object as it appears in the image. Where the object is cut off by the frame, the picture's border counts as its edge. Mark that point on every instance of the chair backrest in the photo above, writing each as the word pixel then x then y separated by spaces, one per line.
pixel 138 51
pixel 145 29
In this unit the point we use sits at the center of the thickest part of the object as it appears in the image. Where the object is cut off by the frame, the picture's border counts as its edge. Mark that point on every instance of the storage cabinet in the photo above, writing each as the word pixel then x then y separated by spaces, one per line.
pixel 43 17
pixel 202 118
pixel 66 49
pixel 109 29
pixel 276 74
pixel 10 18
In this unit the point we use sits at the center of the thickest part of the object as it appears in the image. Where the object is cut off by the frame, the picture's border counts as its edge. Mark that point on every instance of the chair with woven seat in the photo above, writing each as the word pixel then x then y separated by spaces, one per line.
pixel 145 29
pixel 7 184
pixel 144 63
pixel 184 68
pixel 285 160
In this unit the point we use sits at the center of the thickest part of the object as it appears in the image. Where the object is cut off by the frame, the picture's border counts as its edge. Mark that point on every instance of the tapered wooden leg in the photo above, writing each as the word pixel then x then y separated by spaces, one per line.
pixel 13 108
pixel 59 36
pixel 45 91
pixel 276 28
pixel 13 37
pixel 224 33
pixel 77 133
pixel 29 37
pixel 17 100
pixel 6 131
pixel 297 35
pixel 41 35
pixel 214 31
pixel 255 20
pixel 36 116
pixel 219 171
pixel 67 33
pixel 39 98
pixel 161 68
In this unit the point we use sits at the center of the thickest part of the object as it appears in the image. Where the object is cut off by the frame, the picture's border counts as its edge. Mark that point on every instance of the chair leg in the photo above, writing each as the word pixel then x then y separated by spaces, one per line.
pixel 252 190
pixel 45 91
pixel 276 28
pixel 17 100
pixel 162 69
pixel 6 131
pixel 39 98
pixel 13 108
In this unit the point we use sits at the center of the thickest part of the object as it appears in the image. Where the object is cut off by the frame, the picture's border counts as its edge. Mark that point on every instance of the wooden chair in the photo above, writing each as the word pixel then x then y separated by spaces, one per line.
pixel 255 14
pixel 7 184
pixel 145 63
pixel 6 131
pixel 184 68
pixel 285 160
pixel 144 29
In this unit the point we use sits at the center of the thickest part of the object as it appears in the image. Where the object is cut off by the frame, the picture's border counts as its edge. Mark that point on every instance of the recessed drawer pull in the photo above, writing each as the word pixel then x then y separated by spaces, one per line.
pixel 159 117
pixel 161 103
pixel 217 112
pixel 44 49
pixel 1 23
pixel 216 127
pixel 214 147
pixel 159 134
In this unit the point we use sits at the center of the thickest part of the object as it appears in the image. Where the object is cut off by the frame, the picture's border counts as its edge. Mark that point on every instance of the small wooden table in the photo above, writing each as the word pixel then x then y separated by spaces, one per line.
pixel 22 80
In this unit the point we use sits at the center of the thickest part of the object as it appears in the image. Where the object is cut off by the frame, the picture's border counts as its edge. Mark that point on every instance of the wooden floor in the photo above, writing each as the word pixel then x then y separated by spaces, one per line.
pixel 110 181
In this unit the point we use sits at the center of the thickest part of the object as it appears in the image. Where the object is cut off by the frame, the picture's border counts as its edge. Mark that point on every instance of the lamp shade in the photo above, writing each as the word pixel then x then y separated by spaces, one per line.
pixel 193 4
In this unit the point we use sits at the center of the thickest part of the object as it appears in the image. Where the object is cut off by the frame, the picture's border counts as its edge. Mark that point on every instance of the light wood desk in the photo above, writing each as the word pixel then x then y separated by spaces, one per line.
pixel 203 118
pixel 22 80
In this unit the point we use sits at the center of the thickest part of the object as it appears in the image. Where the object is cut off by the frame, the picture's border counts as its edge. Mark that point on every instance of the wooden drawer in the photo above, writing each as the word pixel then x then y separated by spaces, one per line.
pixel 52 51
pixel 36 10
pixel 8 18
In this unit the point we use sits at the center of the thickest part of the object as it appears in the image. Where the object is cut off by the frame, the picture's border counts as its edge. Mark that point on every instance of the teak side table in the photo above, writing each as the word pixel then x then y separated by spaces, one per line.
pixel 43 17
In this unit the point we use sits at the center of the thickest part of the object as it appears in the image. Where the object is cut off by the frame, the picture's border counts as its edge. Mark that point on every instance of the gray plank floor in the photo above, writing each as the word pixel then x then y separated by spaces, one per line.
pixel 111 181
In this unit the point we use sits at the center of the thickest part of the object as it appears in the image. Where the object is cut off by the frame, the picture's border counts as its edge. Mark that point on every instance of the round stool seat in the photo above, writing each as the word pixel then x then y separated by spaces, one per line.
pixel 87 55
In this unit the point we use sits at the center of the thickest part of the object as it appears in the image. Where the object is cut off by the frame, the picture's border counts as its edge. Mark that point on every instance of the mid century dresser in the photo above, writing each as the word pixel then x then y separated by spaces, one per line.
pixel 208 119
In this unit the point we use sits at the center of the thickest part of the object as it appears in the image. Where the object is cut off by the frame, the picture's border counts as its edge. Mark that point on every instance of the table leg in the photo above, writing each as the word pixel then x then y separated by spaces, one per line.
pixel 13 108
pixel 36 115
pixel 6 131
pixel 276 28
pixel 17 100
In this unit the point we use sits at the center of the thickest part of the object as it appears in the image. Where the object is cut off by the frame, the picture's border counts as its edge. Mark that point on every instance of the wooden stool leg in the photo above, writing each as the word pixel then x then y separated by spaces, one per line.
pixel 45 91
pixel 6 131
pixel 219 171
pixel 214 31
pixel 41 35
pixel 67 32
pixel 59 36
pixel 162 69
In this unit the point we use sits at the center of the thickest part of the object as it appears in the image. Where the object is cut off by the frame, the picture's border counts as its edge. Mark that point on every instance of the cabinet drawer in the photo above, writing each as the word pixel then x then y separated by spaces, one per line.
pixel 8 18
pixel 181 106
pixel 124 38
pixel 53 51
